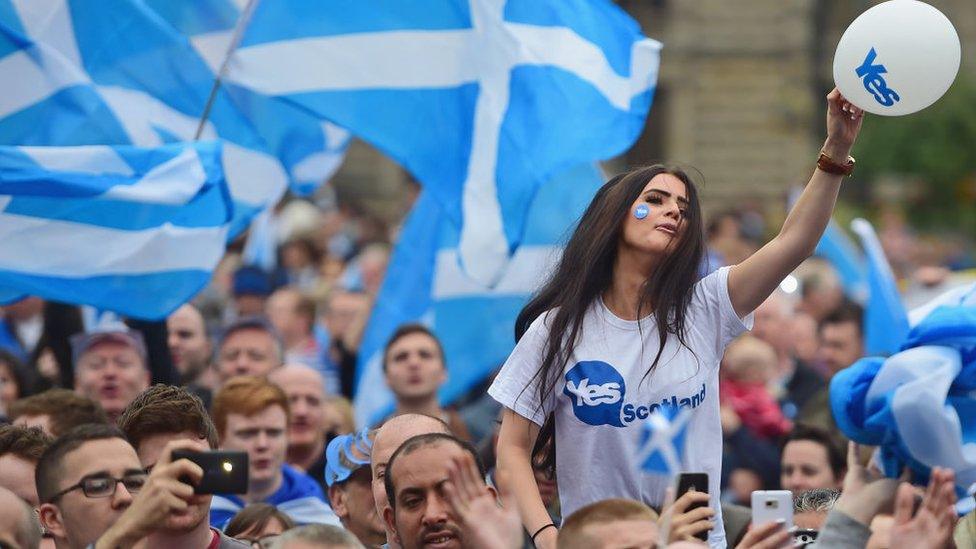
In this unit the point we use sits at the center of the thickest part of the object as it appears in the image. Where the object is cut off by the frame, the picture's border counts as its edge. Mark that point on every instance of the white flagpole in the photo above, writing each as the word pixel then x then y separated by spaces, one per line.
pixel 239 28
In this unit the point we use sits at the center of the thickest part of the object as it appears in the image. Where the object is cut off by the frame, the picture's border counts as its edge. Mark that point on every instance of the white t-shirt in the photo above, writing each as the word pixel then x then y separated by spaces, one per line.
pixel 602 397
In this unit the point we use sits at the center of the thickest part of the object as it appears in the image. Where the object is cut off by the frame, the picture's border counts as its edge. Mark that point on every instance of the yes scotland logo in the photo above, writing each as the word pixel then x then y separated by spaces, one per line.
pixel 596 390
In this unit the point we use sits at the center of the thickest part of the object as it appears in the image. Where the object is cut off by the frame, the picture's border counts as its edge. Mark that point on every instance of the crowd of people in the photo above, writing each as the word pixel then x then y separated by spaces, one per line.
pixel 263 362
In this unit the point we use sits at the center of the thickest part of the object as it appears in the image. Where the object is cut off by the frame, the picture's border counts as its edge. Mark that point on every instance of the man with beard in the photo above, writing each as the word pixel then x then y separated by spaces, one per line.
pixel 191 348
pixel 162 419
pixel 350 488
pixel 420 513
pixel 388 438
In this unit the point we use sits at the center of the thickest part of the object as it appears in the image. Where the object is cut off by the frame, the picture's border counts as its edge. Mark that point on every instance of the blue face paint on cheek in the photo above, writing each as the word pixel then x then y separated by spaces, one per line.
pixel 641 211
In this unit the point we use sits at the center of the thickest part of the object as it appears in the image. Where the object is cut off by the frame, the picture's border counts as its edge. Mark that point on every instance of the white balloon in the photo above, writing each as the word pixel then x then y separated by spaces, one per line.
pixel 897 58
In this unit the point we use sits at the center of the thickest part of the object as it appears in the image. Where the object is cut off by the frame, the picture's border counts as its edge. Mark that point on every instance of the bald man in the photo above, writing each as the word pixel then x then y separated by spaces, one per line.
pixel 306 429
pixel 388 438
pixel 18 527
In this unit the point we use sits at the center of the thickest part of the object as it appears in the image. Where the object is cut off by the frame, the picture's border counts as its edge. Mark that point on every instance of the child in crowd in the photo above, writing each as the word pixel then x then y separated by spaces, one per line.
pixel 748 367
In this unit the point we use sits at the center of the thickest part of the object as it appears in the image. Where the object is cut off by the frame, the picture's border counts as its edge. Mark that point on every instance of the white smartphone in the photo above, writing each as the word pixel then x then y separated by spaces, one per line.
pixel 772 505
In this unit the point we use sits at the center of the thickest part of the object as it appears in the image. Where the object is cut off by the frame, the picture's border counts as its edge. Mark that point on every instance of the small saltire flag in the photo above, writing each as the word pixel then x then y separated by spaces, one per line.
pixel 662 444
pixel 86 72
pixel 917 405
pixel 424 283
pixel 885 318
pixel 481 100
pixel 310 149
pixel 132 230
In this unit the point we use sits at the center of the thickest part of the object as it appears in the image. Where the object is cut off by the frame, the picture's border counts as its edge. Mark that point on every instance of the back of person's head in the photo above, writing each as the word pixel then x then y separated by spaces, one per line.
pixel 611 517
pixel 16 373
pixel 246 395
pixel 318 536
pixel 18 524
pixel 26 443
pixel 750 359
pixel 49 466
pixel 63 409
pixel 251 521
pixel 413 444
pixel 810 509
pixel 164 410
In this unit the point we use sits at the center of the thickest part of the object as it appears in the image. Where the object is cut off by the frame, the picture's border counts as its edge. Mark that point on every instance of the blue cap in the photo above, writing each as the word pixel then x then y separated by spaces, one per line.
pixel 345 454
pixel 250 280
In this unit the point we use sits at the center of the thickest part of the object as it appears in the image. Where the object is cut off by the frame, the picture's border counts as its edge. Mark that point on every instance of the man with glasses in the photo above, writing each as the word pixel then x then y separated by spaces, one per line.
pixel 85 481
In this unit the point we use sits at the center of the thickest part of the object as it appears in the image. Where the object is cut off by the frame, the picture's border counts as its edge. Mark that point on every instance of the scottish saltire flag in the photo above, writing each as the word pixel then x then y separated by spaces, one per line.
pixel 87 72
pixel 918 405
pixel 663 437
pixel 482 100
pixel 311 150
pixel 133 230
pixel 885 318
pixel 475 323
pixel 837 248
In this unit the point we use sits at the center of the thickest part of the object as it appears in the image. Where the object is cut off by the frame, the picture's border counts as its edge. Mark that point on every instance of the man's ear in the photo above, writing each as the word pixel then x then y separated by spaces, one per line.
pixel 50 517
pixel 389 515
pixel 337 498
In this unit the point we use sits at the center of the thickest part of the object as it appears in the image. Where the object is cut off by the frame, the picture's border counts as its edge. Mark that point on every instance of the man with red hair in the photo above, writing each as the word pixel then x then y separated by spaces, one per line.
pixel 251 414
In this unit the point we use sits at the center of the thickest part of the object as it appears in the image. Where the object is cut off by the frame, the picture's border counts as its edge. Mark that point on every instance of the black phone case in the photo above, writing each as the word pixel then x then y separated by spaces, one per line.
pixel 224 471
pixel 698 481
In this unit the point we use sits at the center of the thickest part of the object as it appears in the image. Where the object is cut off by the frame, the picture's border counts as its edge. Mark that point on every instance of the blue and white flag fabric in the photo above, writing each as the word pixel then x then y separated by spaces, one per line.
pixel 885 318
pixel 662 446
pixel 919 405
pixel 475 323
pixel 311 150
pixel 481 100
pixel 111 72
pixel 838 249
pixel 132 230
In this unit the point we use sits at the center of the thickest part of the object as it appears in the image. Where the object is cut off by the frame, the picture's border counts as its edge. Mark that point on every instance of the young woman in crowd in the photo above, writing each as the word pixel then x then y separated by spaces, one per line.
pixel 624 328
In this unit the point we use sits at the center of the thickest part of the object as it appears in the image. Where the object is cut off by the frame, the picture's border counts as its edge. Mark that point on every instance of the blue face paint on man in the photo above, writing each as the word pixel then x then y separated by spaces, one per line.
pixel 641 211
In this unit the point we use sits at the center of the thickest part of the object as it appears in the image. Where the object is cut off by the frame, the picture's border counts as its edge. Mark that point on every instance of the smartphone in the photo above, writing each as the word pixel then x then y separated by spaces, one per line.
pixel 697 482
pixel 771 506
pixel 224 471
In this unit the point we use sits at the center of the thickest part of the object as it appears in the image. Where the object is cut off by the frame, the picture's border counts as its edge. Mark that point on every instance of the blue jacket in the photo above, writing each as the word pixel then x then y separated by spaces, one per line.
pixel 299 497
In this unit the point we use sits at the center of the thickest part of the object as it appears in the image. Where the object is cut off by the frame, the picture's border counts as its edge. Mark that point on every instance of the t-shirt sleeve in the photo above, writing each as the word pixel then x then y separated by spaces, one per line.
pixel 713 316
pixel 516 386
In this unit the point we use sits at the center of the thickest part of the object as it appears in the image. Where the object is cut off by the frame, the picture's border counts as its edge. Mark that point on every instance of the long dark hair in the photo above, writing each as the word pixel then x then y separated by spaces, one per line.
pixel 586 271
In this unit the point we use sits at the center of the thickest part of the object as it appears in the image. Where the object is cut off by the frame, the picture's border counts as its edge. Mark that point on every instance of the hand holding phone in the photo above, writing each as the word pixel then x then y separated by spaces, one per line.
pixel 691 515
pixel 224 471
pixel 772 506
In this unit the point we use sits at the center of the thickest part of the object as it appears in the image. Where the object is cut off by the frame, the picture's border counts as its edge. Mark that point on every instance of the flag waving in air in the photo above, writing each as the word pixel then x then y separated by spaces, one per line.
pixel 482 100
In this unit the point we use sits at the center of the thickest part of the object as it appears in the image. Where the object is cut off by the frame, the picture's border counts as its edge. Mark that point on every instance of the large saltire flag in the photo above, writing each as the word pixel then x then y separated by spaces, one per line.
pixel 87 72
pixel 132 230
pixel 475 323
pixel 310 149
pixel 481 100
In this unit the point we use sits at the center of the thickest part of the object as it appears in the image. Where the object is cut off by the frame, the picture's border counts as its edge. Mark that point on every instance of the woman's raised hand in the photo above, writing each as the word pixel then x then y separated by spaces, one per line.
pixel 843 124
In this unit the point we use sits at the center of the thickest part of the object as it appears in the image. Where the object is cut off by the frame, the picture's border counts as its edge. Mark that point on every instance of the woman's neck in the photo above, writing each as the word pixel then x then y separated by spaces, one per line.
pixel 630 272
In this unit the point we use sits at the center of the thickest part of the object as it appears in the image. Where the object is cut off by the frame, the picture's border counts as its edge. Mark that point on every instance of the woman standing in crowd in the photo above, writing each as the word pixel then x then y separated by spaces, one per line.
pixel 624 328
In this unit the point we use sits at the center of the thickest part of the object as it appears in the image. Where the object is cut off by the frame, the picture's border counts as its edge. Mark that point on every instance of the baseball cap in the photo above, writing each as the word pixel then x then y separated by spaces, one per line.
pixel 81 343
pixel 345 455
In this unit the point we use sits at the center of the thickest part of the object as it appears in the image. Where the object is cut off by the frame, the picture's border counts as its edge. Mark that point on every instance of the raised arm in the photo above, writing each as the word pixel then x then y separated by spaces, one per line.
pixel 514 467
pixel 751 281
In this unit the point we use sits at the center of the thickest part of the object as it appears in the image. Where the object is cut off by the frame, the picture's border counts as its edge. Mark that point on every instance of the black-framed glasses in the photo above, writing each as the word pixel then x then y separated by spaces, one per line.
pixel 103 486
